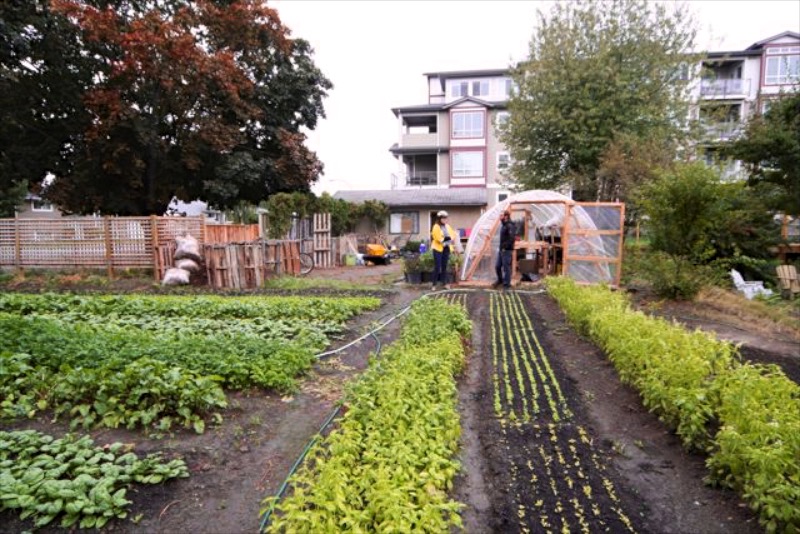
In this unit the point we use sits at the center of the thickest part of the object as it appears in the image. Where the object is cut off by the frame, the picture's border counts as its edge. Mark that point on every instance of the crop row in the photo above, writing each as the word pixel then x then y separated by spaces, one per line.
pixel 317 309
pixel 45 478
pixel 389 464
pixel 138 371
pixel 558 479
pixel 747 417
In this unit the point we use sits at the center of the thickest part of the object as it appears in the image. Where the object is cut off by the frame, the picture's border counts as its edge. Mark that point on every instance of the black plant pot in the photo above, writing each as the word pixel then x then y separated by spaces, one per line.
pixel 414 277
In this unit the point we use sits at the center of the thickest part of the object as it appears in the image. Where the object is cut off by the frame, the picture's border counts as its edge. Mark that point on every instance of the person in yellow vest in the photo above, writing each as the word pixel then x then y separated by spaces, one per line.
pixel 444 241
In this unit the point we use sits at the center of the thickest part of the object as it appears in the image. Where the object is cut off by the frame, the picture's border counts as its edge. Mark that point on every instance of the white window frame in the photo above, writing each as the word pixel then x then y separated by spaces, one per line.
pixel 469 128
pixel 44 206
pixel 508 160
pixel 508 87
pixel 786 67
pixel 482 87
pixel 463 170
pixel 396 218
pixel 459 89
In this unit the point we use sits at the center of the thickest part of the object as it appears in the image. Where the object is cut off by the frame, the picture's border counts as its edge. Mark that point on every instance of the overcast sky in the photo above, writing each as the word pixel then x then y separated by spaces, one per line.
pixel 375 53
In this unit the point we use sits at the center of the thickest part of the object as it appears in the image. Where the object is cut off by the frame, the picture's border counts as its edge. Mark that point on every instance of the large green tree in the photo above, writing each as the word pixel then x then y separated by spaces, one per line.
pixel 598 71
pixel 203 99
pixel 770 148
pixel 43 75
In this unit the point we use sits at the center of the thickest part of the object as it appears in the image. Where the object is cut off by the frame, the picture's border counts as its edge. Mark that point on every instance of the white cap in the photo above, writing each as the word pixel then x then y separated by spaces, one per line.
pixel 442 214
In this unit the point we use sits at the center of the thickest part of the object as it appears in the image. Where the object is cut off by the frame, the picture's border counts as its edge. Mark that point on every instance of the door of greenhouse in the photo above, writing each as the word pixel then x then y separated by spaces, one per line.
pixel 595 251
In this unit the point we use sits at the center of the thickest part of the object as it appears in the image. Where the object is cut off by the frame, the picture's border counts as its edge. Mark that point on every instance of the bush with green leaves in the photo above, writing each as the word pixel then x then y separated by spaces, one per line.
pixel 391 462
pixel 693 214
pixel 673 277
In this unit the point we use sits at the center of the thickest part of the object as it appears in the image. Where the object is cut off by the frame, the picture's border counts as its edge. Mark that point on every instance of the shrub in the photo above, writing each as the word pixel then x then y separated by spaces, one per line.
pixel 673 277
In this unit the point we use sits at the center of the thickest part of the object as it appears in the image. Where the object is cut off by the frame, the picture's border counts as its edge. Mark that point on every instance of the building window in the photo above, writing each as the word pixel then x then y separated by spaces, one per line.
pixel 480 88
pixel 404 223
pixel 501 118
pixel 509 88
pixel 459 89
pixel 501 197
pixel 41 205
pixel 782 70
pixel 467 124
pixel 468 164
pixel 503 161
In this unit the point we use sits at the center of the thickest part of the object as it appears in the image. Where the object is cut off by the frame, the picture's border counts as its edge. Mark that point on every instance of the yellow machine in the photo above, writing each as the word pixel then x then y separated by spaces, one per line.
pixel 377 254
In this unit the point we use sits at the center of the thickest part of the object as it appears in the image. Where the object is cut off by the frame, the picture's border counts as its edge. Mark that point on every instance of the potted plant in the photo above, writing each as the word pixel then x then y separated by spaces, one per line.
pixel 411 270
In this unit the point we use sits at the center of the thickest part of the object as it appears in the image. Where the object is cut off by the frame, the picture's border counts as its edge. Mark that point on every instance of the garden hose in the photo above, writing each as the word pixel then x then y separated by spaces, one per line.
pixel 335 412
pixel 325 425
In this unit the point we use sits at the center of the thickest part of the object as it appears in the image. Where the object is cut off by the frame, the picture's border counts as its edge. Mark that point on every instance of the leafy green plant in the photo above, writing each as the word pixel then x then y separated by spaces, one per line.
pixel 397 478
pixel 45 478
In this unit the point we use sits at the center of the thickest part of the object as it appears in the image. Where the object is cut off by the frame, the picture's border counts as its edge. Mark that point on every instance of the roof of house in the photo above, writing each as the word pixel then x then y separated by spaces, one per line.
pixel 468 73
pixel 467 196
pixel 761 43
pixel 447 105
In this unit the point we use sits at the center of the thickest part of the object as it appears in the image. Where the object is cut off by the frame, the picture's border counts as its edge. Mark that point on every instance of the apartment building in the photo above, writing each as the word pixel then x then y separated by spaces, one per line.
pixel 448 153
pixel 736 85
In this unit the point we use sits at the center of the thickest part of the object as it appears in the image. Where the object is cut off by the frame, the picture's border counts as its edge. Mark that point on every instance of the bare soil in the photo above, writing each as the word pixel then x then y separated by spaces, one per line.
pixel 234 466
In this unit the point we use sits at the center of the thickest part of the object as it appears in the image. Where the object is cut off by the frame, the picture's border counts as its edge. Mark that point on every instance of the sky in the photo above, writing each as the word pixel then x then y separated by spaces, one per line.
pixel 375 53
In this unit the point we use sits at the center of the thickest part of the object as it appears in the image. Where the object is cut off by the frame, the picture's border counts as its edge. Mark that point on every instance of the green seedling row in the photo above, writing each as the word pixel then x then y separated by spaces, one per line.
pixel 552 459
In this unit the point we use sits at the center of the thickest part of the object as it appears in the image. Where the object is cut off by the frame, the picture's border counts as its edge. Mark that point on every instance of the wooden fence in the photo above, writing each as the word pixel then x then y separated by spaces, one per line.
pixel 231 233
pixel 90 242
pixel 239 265
pixel 148 242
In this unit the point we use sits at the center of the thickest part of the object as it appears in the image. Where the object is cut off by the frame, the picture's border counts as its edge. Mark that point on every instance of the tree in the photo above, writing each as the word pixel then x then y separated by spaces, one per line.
pixel 204 99
pixel 770 147
pixel 597 71
pixel 693 214
pixel 42 77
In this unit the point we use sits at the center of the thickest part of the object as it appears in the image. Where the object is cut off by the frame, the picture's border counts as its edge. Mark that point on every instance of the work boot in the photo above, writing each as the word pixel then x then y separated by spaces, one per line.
pixel 497 284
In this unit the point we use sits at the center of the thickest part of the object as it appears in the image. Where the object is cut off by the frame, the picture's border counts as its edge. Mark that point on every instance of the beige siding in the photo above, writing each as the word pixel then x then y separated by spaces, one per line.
pixel 25 211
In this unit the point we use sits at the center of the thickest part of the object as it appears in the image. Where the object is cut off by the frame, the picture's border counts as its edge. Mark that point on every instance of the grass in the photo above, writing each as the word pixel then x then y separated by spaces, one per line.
pixel 765 316
pixel 297 283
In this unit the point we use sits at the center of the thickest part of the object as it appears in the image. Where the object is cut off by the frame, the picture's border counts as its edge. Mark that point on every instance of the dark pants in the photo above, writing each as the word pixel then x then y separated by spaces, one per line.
pixel 440 260
pixel 502 267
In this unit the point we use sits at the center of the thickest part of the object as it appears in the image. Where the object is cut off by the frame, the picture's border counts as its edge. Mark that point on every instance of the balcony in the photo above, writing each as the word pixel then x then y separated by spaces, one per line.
pixel 723 131
pixel 711 88
pixel 419 140
pixel 421 178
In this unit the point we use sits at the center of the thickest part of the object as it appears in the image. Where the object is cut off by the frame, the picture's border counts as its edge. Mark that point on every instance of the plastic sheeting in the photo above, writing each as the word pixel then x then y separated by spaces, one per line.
pixel 585 251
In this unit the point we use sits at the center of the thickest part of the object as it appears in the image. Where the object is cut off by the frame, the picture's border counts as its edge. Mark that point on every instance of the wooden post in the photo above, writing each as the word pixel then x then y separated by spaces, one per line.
pixel 155 244
pixel 17 245
pixel 109 247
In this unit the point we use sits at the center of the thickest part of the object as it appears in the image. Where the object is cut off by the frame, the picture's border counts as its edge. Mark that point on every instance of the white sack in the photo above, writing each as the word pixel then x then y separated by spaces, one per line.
pixel 187 265
pixel 175 277
pixel 188 247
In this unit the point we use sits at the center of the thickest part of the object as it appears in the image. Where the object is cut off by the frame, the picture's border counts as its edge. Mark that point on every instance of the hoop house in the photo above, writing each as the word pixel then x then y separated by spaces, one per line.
pixel 556 235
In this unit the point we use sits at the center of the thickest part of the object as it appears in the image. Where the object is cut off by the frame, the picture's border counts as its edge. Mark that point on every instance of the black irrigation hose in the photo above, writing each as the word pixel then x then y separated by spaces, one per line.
pixel 332 416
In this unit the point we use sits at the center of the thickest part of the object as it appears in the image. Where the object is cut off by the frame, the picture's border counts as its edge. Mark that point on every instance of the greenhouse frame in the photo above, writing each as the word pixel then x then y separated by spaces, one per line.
pixel 555 235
